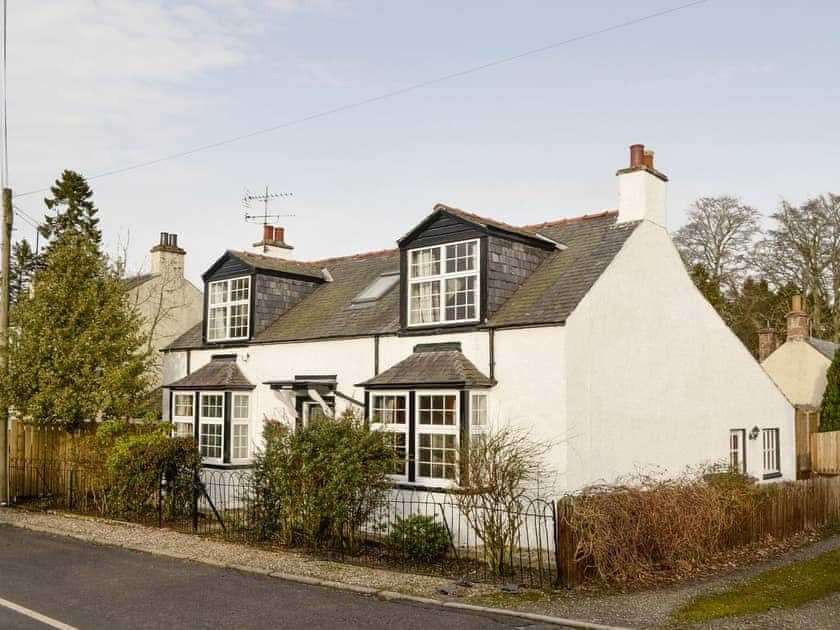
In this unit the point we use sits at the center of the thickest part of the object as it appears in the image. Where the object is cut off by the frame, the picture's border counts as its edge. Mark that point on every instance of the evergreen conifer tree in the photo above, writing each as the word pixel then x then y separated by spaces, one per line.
pixel 77 353
pixel 72 199
pixel 830 412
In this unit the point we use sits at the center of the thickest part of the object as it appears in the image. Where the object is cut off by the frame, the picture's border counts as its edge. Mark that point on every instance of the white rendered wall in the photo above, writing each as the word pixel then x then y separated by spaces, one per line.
pixel 655 377
pixel 799 370
pixel 642 196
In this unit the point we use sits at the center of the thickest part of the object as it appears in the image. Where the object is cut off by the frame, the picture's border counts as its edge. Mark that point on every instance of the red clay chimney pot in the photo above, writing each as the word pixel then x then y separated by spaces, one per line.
pixel 648 158
pixel 279 233
pixel 268 232
pixel 637 155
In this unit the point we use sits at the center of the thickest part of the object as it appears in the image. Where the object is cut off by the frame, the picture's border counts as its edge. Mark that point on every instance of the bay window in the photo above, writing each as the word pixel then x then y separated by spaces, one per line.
pixel 240 417
pixel 437 437
pixel 443 283
pixel 211 427
pixel 228 309
pixel 183 414
pixel 389 413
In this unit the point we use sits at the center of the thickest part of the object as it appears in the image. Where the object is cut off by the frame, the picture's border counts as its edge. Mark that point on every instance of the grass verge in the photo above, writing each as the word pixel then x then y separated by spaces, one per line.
pixel 786 587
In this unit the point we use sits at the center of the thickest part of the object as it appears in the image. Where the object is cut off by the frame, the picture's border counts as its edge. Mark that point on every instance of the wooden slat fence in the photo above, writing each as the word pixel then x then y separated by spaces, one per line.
pixel 780 511
pixel 38 459
pixel 825 453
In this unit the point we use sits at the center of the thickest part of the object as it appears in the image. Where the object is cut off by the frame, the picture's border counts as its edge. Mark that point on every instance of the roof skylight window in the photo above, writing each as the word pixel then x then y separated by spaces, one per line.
pixel 379 287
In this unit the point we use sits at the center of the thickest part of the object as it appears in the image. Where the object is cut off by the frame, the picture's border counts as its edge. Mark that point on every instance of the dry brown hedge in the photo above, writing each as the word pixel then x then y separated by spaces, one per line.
pixel 638 530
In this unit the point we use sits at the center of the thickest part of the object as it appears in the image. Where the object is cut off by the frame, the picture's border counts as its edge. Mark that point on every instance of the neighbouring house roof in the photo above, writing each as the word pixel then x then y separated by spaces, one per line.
pixel 431 365
pixel 826 348
pixel 133 282
pixel 221 373
pixel 547 296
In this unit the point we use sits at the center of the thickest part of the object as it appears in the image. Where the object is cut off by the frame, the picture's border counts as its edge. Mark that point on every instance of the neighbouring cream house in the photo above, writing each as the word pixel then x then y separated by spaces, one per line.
pixel 798 367
pixel 586 330
pixel 168 302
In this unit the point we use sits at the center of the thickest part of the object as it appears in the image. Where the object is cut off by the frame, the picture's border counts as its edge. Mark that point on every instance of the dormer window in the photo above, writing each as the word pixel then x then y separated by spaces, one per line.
pixel 228 309
pixel 443 283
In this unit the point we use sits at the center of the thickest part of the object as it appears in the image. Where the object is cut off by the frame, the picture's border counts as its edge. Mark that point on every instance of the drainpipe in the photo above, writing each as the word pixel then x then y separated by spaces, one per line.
pixel 491 338
pixel 376 355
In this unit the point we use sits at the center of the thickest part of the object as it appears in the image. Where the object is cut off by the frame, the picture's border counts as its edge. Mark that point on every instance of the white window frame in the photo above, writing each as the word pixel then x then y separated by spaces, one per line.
pixel 740 450
pixel 392 427
pixel 436 429
pixel 441 278
pixel 178 421
pixel 228 304
pixel 210 420
pixel 478 424
pixel 238 421
pixel 771 466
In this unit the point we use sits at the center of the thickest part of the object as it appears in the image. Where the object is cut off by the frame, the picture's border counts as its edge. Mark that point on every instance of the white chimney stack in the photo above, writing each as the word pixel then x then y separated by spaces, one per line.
pixel 641 189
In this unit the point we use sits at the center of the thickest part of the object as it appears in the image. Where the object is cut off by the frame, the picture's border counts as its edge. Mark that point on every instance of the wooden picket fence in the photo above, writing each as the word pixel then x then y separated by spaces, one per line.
pixel 780 511
pixel 825 453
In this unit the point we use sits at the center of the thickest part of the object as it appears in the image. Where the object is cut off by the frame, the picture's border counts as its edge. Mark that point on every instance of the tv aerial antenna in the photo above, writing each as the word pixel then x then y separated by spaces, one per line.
pixel 249 200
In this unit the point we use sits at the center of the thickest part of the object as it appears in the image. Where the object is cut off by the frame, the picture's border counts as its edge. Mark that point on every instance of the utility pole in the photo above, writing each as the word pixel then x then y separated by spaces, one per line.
pixel 5 270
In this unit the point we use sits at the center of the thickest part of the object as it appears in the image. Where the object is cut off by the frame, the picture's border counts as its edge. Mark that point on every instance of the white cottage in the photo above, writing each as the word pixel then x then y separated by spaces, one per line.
pixel 587 330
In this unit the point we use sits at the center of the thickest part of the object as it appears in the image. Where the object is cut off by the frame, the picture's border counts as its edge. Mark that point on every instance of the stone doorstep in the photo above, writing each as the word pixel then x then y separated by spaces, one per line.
pixel 384 595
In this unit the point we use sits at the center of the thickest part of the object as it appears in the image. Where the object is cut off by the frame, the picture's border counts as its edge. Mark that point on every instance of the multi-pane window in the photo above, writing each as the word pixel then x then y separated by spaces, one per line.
pixel 437 409
pixel 240 416
pixel 478 412
pixel 388 413
pixel 443 283
pixel 437 436
pixel 770 450
pixel 183 415
pixel 228 309
pixel 737 462
pixel 211 426
pixel 437 456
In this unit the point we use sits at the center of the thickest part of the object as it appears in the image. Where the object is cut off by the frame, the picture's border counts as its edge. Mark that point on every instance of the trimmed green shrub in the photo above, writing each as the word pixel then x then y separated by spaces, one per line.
pixel 138 462
pixel 418 538
pixel 830 411
pixel 321 483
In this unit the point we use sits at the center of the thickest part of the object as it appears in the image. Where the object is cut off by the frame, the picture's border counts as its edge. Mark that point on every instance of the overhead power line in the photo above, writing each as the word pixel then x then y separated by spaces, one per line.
pixel 386 95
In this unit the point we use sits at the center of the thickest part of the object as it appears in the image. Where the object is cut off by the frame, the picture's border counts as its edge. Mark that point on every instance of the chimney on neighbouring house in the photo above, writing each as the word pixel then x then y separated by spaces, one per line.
pixel 798 324
pixel 167 257
pixel 768 341
pixel 273 243
pixel 641 189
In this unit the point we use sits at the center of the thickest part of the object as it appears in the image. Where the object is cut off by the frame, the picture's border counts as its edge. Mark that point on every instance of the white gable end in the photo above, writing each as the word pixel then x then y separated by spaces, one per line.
pixel 656 377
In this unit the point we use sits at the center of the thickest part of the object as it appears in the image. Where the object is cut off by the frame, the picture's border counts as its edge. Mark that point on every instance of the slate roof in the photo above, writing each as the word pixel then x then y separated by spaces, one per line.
pixel 554 289
pixel 221 373
pixel 271 263
pixel 431 365
pixel 547 296
pixel 135 281
pixel 826 348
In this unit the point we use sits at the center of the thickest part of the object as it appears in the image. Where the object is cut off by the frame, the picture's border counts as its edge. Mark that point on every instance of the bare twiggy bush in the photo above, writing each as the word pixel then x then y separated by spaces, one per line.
pixel 498 468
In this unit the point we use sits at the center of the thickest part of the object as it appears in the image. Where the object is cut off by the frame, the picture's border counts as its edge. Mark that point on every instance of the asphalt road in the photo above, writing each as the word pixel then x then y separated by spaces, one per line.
pixel 89 586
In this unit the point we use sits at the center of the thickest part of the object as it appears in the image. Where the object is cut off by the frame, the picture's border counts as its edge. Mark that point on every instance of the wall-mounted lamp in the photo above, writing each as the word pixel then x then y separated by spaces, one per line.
pixel 754 433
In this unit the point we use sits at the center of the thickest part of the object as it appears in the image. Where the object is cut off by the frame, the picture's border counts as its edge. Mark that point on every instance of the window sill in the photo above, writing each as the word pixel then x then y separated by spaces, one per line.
pixel 419 487
pixel 773 475
pixel 218 466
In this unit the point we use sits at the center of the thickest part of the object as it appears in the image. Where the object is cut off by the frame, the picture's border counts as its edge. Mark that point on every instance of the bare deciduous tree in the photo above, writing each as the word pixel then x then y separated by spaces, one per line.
pixel 803 249
pixel 719 235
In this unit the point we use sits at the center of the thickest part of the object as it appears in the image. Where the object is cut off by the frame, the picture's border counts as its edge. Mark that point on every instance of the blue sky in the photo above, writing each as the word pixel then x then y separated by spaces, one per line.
pixel 735 98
